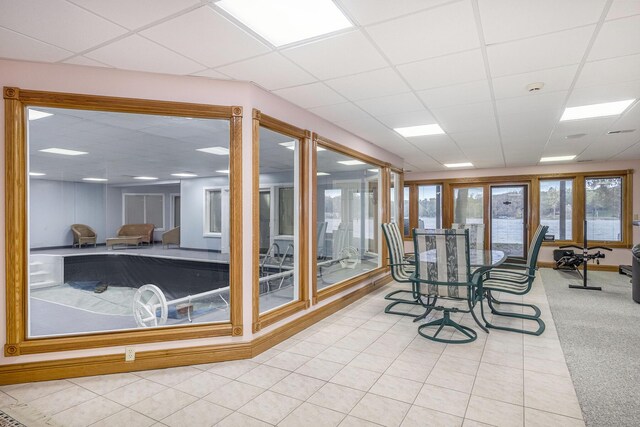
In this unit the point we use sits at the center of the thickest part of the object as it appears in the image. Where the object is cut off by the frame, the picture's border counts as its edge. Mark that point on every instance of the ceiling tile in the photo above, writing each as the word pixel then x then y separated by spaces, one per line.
pixel 554 79
pixel 608 146
pixel 386 105
pixel 444 71
pixel 371 84
pixel 137 53
pixel 340 113
pixel 468 117
pixel 57 22
pixel 632 152
pixel 366 12
pixel 212 74
pixel 17 46
pixel 83 60
pixel 591 127
pixel 533 125
pixel 135 14
pixel 629 120
pixel 538 53
pixel 413 118
pixel 467 93
pixel 434 32
pixel 622 8
pixel 207 37
pixel 604 93
pixel 617 38
pixel 341 55
pixel 551 101
pixel 312 95
pixel 607 71
pixel 505 20
pixel 471 139
pixel 271 71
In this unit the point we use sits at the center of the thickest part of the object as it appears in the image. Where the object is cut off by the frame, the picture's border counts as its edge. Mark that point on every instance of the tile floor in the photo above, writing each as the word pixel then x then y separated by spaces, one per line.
pixel 358 367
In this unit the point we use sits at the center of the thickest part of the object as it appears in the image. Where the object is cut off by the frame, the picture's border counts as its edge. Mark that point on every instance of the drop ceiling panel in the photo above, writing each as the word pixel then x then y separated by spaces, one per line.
pixel 207 37
pixel 339 113
pixel 604 93
pixel 83 60
pixel 606 71
pixel 589 126
pixel 434 32
pixel 467 93
pixel 341 55
pixel 17 46
pixel 386 105
pixel 271 71
pixel 629 120
pixel 212 74
pixel 632 152
pixel 135 14
pixel 413 118
pixel 617 38
pixel 137 53
pixel 551 101
pixel 366 12
pixel 57 22
pixel 622 8
pixel 607 148
pixel 312 95
pixel 505 20
pixel 537 124
pixel 554 79
pixel 538 53
pixel 465 117
pixel 477 140
pixel 444 71
pixel 372 84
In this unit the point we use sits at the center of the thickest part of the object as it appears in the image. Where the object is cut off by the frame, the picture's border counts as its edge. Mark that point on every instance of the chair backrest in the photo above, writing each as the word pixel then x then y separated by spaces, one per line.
pixel 534 248
pixel 322 231
pixel 83 230
pixel 442 256
pixel 476 234
pixel 395 243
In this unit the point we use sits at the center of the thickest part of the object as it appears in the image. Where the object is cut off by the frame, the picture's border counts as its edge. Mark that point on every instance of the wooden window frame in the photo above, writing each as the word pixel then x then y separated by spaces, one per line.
pixel 383 212
pixel 303 302
pixel 16 245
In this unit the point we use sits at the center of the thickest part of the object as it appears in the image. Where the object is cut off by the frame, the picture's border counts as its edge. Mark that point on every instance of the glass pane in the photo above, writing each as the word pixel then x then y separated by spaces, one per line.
pixel 468 205
pixel 154 209
pixel 508 217
pixel 279 166
pixel 603 208
pixel 84 208
pixel 407 225
pixel 215 211
pixel 394 196
pixel 556 207
pixel 285 211
pixel 430 206
pixel 348 228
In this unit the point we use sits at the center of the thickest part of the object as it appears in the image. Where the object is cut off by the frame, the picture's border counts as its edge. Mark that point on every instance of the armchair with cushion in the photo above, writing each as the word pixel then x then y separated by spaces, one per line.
pixel 171 237
pixel 143 230
pixel 83 234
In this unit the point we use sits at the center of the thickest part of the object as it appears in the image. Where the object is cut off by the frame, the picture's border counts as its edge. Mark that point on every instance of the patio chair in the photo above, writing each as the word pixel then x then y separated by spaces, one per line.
pixel 516 280
pixel 83 235
pixel 442 264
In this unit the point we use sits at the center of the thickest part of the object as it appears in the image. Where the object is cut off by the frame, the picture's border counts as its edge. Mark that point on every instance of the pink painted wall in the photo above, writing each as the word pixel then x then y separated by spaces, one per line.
pixel 618 256
pixel 110 82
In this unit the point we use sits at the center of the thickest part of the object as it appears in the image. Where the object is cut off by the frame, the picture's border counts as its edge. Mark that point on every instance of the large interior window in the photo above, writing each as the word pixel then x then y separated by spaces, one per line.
pixel 603 208
pixel 348 229
pixel 556 207
pixel 430 206
pixel 98 182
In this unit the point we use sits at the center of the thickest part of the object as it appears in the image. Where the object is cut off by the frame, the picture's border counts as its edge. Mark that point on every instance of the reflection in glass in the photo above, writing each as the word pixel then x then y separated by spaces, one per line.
pixel 556 207
pixel 141 272
pixel 407 225
pixel 468 205
pixel 395 197
pixel 279 165
pixel 430 206
pixel 603 208
pixel 348 229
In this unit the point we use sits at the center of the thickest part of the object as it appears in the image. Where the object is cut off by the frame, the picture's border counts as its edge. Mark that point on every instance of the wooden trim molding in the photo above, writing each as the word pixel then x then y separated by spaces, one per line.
pixel 594 267
pixel 157 359
pixel 303 301
pixel 16 244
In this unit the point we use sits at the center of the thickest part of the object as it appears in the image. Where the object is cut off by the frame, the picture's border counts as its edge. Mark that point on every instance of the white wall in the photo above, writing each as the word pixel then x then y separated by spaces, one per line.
pixel 192 213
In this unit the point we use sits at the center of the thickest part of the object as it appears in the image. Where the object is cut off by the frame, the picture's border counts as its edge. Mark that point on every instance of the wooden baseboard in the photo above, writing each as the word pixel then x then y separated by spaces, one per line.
pixel 157 359
pixel 590 267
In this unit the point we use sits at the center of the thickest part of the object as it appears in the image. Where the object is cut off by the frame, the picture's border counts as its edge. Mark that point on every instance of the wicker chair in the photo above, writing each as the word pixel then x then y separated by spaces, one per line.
pixel 83 235
pixel 171 237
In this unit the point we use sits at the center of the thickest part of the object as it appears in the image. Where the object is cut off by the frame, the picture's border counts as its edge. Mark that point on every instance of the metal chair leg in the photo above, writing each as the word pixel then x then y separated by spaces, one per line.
pixel 446 321
pixel 491 301
pixel 539 331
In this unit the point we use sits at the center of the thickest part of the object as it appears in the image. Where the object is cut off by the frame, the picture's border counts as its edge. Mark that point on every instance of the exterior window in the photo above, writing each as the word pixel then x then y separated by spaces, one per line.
pixel 214 211
pixel 144 209
pixel 285 211
pixel 468 205
pixel 430 206
pixel 394 197
pixel 407 226
pixel 556 207
pixel 603 208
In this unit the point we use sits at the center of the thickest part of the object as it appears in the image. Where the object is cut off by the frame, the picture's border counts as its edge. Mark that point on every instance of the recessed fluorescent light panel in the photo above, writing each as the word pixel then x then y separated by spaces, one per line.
pixel 63 151
pixel 596 110
pixel 420 130
pixel 35 114
pixel 95 179
pixel 184 175
pixel 350 162
pixel 291 145
pixel 145 178
pixel 218 151
pixel 459 165
pixel 323 174
pixel 373 170
pixel 36 174
pixel 223 171
pixel 287 21
pixel 557 158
